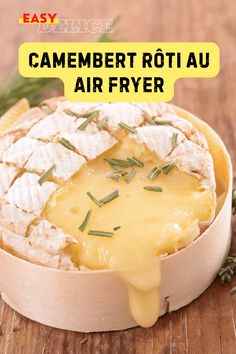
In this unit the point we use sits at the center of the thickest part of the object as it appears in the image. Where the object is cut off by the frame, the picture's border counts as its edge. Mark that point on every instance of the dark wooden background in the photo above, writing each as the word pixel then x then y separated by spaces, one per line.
pixel 208 325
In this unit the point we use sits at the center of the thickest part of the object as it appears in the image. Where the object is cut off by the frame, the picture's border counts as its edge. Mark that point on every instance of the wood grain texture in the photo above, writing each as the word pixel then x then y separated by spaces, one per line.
pixel 208 325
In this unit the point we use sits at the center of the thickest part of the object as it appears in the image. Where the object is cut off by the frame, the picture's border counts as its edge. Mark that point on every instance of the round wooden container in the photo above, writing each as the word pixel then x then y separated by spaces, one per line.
pixel 90 301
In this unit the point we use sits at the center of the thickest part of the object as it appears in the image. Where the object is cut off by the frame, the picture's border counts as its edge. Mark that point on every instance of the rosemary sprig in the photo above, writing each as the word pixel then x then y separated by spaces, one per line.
pixel 66 143
pixel 167 167
pixel 110 197
pixel 86 220
pixel 98 202
pixel 148 118
pixel 100 233
pixel 130 175
pixel 116 228
pixel 154 173
pixel 174 140
pixel 228 270
pixel 88 120
pixel 34 89
pixel 234 201
pixel 135 161
pixel 127 127
pixel 153 188
pixel 46 175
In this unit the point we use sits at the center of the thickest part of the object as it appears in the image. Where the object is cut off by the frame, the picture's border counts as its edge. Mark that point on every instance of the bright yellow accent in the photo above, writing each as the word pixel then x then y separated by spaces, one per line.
pixel 69 75
pixel 48 22
pixel 152 224
pixel 11 116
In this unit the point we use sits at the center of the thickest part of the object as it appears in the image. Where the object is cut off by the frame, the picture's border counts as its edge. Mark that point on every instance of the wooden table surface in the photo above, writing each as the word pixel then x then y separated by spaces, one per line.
pixel 208 325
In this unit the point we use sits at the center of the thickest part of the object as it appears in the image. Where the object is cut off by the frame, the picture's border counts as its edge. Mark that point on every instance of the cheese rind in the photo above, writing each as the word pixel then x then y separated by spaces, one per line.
pixel 66 162
pixel 158 138
pixel 20 152
pixel 15 219
pixel 91 145
pixel 49 238
pixel 7 175
pixel 26 193
pixel 52 125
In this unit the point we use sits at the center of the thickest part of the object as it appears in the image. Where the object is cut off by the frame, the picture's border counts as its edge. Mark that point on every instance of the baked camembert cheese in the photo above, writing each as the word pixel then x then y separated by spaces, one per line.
pixel 91 186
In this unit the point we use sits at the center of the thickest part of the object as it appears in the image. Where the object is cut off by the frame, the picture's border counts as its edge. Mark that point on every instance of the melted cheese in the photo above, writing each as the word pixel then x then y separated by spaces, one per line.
pixel 152 224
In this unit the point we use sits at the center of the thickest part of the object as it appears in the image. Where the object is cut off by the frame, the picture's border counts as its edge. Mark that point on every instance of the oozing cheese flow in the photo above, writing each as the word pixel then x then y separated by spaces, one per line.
pixel 145 225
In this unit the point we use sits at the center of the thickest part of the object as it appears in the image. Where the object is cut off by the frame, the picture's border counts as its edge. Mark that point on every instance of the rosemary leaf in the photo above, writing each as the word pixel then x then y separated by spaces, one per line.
pixel 119 163
pixel 153 188
pixel 233 291
pixel 116 228
pixel 86 220
pixel 130 175
pixel 88 120
pixel 110 197
pixel 174 140
pixel 66 143
pixel 127 127
pixel 148 118
pixel 154 173
pixel 234 201
pixel 167 167
pixel 100 233
pixel 46 175
pixel 162 122
pixel 137 162
pixel 99 203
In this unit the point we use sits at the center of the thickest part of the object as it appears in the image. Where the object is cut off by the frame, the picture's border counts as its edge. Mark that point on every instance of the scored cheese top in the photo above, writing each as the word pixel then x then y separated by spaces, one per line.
pixel 59 161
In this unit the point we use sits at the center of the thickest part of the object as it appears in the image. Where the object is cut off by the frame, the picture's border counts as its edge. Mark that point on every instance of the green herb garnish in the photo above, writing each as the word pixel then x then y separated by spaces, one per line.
pixel 148 118
pixel 135 161
pixel 98 202
pixel 116 228
pixel 130 175
pixel 46 175
pixel 153 188
pixel 127 127
pixel 85 222
pixel 88 120
pixel 234 201
pixel 78 115
pixel 66 143
pixel 154 173
pixel 167 167
pixel 117 163
pixel 100 233
pixel 163 122
pixel 233 291
pixel 110 197
pixel 174 140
